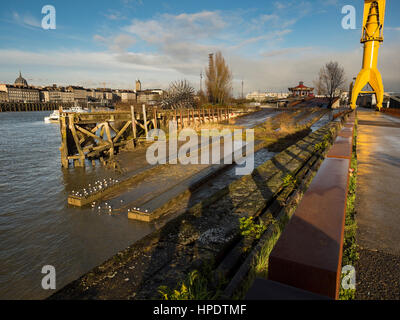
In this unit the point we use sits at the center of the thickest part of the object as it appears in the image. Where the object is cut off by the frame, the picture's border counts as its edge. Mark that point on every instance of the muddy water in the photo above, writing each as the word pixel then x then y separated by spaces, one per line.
pixel 37 227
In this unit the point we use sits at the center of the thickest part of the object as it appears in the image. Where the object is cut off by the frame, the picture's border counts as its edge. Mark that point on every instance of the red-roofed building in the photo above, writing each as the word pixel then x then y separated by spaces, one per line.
pixel 301 90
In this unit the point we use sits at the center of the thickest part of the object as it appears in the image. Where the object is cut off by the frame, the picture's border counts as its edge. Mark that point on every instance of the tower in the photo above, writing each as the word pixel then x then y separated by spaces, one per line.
pixel 138 86
pixel 372 37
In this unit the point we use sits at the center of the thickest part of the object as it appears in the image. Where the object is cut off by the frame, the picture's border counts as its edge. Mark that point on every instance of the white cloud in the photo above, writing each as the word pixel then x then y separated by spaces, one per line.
pixel 118 43
pixel 26 20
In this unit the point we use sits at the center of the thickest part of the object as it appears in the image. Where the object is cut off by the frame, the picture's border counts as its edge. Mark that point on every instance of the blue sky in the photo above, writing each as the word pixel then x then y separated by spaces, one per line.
pixel 270 44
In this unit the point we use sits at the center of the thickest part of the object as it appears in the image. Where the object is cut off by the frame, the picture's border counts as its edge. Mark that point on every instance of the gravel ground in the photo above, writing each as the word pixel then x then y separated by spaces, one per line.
pixel 378 276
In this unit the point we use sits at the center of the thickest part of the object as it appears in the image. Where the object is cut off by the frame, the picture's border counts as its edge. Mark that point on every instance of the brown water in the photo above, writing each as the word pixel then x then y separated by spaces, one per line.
pixel 37 227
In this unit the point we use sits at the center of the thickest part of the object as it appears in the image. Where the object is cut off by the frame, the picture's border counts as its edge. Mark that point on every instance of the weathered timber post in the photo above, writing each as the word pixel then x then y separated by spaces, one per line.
pixel 107 128
pixel 133 122
pixel 145 120
pixel 81 161
pixel 155 118
pixel 64 145
pixel 180 111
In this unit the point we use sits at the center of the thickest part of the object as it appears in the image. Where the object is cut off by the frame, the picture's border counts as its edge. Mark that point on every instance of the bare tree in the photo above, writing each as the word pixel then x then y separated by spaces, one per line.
pixel 218 79
pixel 180 94
pixel 331 80
pixel 318 87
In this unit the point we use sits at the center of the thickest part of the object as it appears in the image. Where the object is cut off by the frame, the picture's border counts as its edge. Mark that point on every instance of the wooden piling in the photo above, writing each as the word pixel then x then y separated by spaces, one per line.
pixel 145 120
pixel 155 118
pixel 64 146
pixel 133 122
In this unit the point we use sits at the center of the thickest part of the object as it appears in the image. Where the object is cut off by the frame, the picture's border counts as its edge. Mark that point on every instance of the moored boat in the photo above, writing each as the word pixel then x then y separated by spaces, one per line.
pixel 55 115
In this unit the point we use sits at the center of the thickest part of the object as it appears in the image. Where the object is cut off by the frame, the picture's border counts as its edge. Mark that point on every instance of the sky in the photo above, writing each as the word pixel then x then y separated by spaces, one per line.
pixel 270 45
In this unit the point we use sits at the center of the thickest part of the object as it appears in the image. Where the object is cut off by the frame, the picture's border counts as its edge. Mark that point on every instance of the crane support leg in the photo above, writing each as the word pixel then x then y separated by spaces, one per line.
pixel 372 37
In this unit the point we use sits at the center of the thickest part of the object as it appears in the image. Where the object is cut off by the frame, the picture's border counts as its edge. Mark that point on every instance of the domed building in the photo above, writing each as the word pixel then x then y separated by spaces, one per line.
pixel 20 91
pixel 21 82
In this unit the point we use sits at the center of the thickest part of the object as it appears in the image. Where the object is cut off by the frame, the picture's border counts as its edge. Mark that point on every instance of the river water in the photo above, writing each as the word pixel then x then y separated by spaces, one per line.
pixel 37 227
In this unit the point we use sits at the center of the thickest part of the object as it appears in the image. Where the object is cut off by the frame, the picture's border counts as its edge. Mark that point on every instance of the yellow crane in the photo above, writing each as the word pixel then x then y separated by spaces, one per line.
pixel 372 37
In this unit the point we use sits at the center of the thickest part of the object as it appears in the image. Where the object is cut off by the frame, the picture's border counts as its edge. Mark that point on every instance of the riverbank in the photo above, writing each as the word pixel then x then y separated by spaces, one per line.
pixel 203 236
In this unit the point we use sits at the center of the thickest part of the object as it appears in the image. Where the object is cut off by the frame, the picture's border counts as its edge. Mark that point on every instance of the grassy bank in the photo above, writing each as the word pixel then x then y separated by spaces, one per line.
pixel 350 255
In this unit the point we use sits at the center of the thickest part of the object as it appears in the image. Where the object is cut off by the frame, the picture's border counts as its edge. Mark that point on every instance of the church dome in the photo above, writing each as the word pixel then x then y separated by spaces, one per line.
pixel 20 81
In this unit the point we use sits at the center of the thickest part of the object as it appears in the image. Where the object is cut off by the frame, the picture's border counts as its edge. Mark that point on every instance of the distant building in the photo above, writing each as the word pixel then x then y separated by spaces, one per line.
pixel 262 96
pixel 149 96
pixel 3 96
pixel 257 96
pixel 278 95
pixel 102 95
pixel 20 91
pixel 56 94
pixel 80 93
pixel 128 96
pixel 301 90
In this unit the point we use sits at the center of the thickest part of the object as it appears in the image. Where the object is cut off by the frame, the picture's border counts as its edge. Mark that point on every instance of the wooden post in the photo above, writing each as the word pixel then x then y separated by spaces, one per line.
pixel 64 145
pixel 155 118
pixel 81 161
pixel 133 121
pixel 181 119
pixel 145 120
pixel 107 127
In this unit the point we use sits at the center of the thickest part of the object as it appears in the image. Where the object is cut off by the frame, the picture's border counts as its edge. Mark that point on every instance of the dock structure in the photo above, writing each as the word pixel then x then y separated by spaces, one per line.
pixel 33 106
pixel 100 135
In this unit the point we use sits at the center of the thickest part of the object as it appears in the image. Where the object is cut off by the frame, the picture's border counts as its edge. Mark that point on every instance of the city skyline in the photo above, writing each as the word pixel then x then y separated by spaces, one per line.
pixel 269 44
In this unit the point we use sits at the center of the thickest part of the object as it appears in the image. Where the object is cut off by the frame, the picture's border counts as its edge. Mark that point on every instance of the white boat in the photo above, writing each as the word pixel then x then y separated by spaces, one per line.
pixel 55 115
pixel 53 118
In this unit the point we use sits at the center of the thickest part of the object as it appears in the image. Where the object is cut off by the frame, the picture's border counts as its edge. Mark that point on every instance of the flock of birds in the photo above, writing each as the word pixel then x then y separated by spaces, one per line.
pixel 100 186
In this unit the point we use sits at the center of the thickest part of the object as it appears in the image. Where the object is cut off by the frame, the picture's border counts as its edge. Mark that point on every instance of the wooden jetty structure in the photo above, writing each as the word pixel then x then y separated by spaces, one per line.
pixel 100 135
pixel 34 106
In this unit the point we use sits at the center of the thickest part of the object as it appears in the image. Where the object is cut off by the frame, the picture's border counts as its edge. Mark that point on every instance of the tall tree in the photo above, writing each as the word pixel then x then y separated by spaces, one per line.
pixel 218 79
pixel 331 80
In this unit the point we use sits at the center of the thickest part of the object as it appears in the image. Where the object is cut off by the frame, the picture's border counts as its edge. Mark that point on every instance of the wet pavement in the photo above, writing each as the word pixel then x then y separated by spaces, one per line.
pixel 378 213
